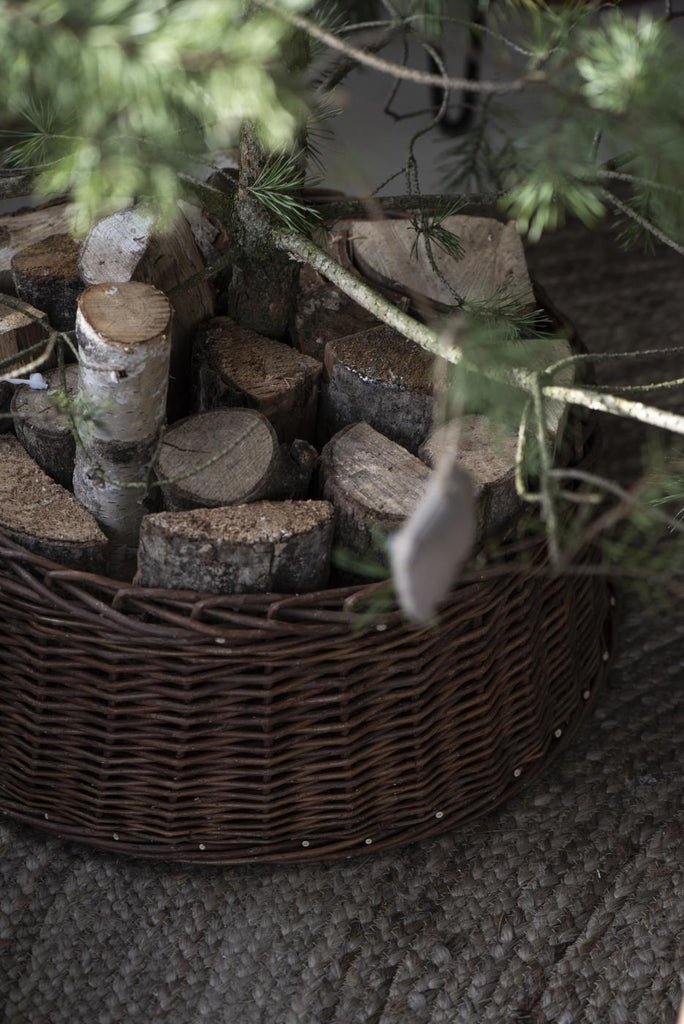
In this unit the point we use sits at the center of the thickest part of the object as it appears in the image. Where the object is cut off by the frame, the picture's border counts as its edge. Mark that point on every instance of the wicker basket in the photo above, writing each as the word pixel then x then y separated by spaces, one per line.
pixel 229 730
pixel 256 728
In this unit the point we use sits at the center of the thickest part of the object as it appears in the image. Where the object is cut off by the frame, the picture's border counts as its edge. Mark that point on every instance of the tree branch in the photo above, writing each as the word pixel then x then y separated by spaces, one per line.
pixel 396 70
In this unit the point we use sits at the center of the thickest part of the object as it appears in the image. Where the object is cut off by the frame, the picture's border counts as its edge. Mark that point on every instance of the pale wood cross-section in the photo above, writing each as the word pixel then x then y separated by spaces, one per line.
pixel 276 547
pixel 44 517
pixel 245 461
pixel 385 251
pixel 235 366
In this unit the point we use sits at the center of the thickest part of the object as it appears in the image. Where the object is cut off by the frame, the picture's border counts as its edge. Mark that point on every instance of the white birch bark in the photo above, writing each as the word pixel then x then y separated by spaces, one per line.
pixel 123 333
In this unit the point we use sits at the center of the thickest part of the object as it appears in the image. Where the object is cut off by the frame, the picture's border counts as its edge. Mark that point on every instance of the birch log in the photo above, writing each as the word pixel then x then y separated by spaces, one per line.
pixel 235 366
pixel 44 517
pixel 123 335
pixel 46 275
pixel 43 429
pixel 229 457
pixel 125 247
pixel 277 547
pixel 374 485
pixel 379 377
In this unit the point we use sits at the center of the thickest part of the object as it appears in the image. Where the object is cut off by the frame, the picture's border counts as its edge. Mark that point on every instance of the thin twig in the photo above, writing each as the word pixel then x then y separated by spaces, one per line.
pixel 396 70
pixel 642 222
pixel 617 407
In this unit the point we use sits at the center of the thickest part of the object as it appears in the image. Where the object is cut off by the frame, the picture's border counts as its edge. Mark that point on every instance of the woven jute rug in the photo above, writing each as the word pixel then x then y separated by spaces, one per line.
pixel 565 905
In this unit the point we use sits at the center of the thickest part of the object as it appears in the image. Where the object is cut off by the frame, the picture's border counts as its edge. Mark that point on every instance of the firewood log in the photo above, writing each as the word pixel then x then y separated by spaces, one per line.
pixel 123 335
pixel 19 331
pixel 125 247
pixel 278 547
pixel 385 251
pixel 324 313
pixel 43 429
pixel 487 451
pixel 235 366
pixel 379 377
pixel 42 516
pixel 374 485
pixel 46 275
pixel 23 227
pixel 229 457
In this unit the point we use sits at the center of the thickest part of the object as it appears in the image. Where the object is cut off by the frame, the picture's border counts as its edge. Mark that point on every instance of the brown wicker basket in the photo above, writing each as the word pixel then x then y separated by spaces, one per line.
pixel 227 730
pixel 261 728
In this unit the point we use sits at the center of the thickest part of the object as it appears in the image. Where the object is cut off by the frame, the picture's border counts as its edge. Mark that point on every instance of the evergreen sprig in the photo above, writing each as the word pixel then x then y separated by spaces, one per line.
pixel 278 187
pixel 131 91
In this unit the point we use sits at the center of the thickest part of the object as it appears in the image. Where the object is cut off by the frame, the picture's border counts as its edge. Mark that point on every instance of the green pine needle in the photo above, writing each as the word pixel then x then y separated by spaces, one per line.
pixel 278 188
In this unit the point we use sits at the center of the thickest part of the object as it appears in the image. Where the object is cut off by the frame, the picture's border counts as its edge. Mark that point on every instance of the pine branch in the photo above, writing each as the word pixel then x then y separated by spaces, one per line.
pixel 396 70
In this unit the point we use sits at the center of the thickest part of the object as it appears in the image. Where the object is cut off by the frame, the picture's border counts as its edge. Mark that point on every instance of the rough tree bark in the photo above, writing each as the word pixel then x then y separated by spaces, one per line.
pixel 279 546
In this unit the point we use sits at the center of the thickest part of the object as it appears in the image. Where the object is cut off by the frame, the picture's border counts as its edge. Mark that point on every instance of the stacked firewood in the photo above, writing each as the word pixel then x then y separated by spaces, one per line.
pixel 185 448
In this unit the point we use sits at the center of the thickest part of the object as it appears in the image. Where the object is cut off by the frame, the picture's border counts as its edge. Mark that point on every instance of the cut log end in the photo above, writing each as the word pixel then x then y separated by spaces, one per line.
pixel 241 447
pixel 44 517
pixel 278 547
pixel 125 314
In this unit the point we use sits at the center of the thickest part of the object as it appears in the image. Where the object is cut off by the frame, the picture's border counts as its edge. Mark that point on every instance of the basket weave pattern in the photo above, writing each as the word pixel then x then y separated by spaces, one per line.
pixel 256 728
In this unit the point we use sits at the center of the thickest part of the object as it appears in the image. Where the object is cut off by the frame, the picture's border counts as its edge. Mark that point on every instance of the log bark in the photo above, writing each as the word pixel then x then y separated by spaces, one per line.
pixel 26 226
pixel 379 377
pixel 486 450
pixel 123 334
pixel 44 431
pixel 246 461
pixel 323 313
pixel 277 547
pixel 235 366
pixel 19 331
pixel 125 247
pixel 44 517
pixel 374 485
pixel 46 275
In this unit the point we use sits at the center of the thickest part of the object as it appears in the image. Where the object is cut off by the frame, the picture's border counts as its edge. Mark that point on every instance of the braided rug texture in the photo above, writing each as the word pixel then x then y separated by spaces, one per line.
pixel 564 906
